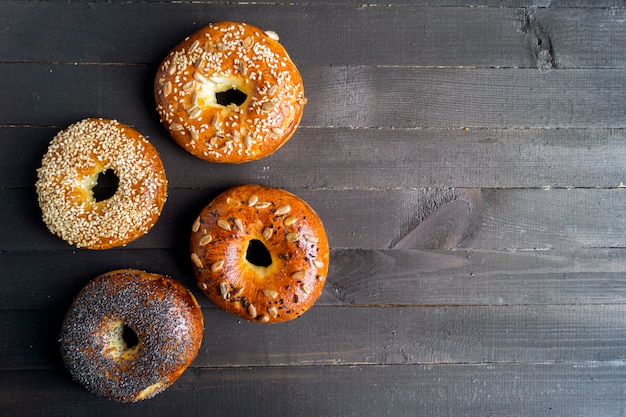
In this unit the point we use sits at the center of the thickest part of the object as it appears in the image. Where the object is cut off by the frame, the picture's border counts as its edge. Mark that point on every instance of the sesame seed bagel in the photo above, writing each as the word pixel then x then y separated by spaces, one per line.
pixel 260 253
pixel 70 170
pixel 229 93
pixel 130 334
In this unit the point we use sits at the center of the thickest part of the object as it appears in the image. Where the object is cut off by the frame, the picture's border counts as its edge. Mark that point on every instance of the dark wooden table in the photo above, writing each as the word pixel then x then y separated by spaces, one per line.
pixel 468 163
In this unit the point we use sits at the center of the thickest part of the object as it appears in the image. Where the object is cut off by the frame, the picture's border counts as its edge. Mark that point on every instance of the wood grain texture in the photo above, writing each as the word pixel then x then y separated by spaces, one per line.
pixel 358 97
pixel 357 158
pixel 463 390
pixel 357 277
pixel 370 336
pixel 466 158
pixel 344 33
pixel 510 219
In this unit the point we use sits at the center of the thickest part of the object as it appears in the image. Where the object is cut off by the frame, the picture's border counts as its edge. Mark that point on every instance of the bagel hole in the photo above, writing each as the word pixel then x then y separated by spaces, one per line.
pixel 106 185
pixel 130 338
pixel 257 254
pixel 232 96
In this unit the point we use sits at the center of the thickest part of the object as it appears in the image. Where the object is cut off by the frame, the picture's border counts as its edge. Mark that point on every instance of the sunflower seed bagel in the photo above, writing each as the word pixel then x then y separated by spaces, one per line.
pixel 260 253
pixel 229 93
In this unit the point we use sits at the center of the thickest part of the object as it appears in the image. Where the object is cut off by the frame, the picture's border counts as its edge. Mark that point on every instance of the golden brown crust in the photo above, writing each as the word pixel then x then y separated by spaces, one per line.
pixel 287 227
pixel 220 57
pixel 69 171
pixel 162 313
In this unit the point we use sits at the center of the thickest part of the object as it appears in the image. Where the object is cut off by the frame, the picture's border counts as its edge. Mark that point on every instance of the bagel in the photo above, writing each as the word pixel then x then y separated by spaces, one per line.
pixel 70 169
pixel 130 334
pixel 229 93
pixel 260 253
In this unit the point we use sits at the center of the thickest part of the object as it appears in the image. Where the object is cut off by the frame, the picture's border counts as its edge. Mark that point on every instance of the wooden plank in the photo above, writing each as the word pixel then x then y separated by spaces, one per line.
pixel 534 219
pixel 588 38
pixel 377 158
pixel 366 97
pixel 376 35
pixel 476 277
pixel 460 390
pixel 351 217
pixel 357 277
pixel 389 336
pixel 508 219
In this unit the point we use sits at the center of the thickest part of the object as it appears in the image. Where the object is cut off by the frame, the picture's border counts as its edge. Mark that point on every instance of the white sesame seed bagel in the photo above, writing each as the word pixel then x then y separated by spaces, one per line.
pixel 229 93
pixel 130 334
pixel 69 171
pixel 260 253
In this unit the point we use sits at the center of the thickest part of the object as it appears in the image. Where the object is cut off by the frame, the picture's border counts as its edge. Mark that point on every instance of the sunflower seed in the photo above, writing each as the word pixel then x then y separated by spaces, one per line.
pixel 193 46
pixel 216 79
pixel 253 200
pixel 223 288
pixel 270 293
pixel 177 127
pixel 263 204
pixel 292 237
pixel 278 131
pixel 290 220
pixel 167 88
pixel 248 42
pixel 247 141
pixel 189 85
pixel 272 35
pixel 205 240
pixel 298 275
pixel 282 210
pixel 201 78
pixel 272 90
pixel 269 106
pixel 193 132
pixel 252 310
pixel 242 68
pixel 238 292
pixel 273 311
pixel 267 233
pixel 318 264
pixel 311 238
pixel 239 224
pixel 195 112
pixel 196 260
pixel 217 266
pixel 306 289
pixel 321 278
pixel 171 69
pixel 196 225
pixel 223 224
pixel 215 120
pixel 264 318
